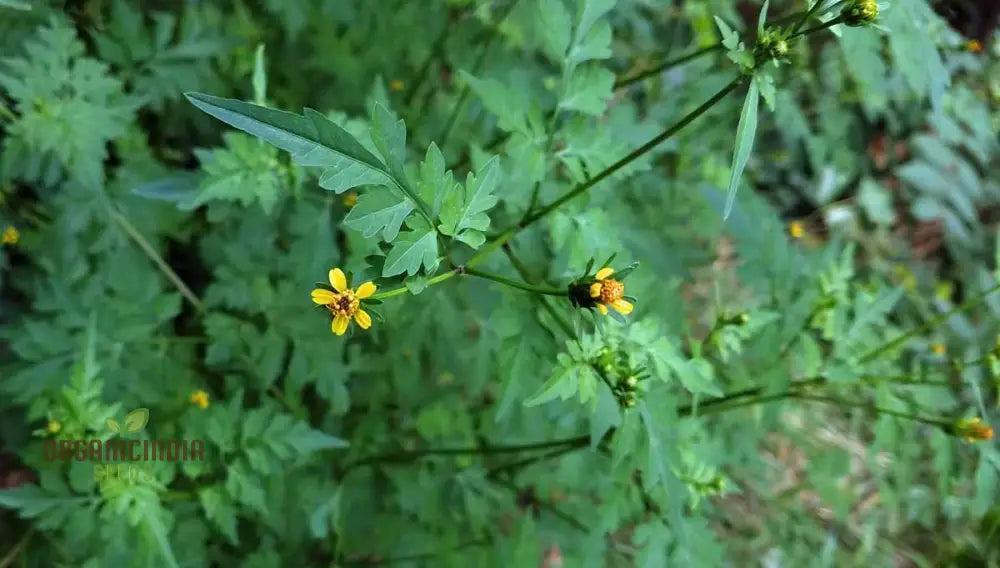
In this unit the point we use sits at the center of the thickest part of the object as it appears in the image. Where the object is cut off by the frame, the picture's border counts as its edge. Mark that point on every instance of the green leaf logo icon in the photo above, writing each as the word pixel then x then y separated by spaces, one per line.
pixel 136 420
pixel 112 425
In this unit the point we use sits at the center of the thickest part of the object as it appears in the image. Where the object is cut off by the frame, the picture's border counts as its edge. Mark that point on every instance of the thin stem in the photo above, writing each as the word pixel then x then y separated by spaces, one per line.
pixel 902 338
pixel 877 409
pixel 627 81
pixel 526 274
pixel 635 154
pixel 403 289
pixel 515 284
pixel 406 456
pixel 821 27
pixel 414 557
pixel 136 236
pixel 807 15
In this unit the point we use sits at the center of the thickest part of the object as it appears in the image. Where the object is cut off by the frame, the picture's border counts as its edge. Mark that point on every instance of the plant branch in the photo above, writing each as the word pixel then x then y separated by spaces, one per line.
pixel 515 284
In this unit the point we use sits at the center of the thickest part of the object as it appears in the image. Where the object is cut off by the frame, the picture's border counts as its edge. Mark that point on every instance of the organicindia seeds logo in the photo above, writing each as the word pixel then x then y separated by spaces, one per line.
pixel 121 458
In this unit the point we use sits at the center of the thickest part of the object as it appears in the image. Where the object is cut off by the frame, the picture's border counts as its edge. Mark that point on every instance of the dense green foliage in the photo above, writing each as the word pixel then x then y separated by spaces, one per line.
pixel 799 369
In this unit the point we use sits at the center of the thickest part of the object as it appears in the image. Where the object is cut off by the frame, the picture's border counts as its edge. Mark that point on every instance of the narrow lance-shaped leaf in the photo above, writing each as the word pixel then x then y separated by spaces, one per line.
pixel 744 143
pixel 312 139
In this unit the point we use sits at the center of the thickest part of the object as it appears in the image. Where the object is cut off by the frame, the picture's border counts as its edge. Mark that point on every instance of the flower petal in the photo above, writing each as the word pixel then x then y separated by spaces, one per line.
pixel 604 273
pixel 624 307
pixel 339 325
pixel 338 280
pixel 364 320
pixel 365 290
pixel 601 308
pixel 595 290
pixel 323 297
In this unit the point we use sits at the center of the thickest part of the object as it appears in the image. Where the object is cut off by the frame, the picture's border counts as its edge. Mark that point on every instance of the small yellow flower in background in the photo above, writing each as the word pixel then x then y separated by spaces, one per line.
pixel 974 45
pixel 396 85
pixel 938 348
pixel 11 235
pixel 344 303
pixel 350 198
pixel 609 292
pixel 199 398
pixel 53 427
pixel 973 429
pixel 796 229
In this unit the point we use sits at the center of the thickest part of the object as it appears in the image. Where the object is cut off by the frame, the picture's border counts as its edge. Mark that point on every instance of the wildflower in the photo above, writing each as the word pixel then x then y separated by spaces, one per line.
pixel 199 398
pixel 973 429
pixel 796 229
pixel 350 199
pixel 938 349
pixel 607 291
pixel 974 45
pixel 860 13
pixel 344 302
pixel 396 85
pixel 54 426
pixel 10 235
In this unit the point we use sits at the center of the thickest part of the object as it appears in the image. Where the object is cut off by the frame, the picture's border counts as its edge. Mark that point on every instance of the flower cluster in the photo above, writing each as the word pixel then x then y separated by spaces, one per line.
pixel 601 290
pixel 622 378
pixel 344 302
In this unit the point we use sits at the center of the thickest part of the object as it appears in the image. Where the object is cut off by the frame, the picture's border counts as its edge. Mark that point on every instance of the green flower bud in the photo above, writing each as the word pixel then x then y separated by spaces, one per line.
pixel 860 13
pixel 631 382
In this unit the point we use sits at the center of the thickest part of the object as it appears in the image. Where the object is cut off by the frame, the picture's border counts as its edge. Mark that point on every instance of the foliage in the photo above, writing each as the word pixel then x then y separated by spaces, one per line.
pixel 801 367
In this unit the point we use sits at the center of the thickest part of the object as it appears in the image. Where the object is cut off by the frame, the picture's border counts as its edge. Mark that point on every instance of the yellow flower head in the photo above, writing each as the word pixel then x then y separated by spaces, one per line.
pixel 396 85
pixel 796 229
pixel 54 426
pixel 350 198
pixel 199 398
pixel 938 348
pixel 344 302
pixel 607 291
pixel 10 235
pixel 973 429
pixel 974 45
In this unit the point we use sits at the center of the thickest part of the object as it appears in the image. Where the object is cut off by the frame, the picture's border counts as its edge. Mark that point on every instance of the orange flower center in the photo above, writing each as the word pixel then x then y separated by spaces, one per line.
pixel 344 304
pixel 611 291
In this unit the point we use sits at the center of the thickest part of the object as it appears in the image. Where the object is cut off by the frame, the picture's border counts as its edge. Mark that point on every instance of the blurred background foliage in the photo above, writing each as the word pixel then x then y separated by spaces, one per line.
pixel 156 258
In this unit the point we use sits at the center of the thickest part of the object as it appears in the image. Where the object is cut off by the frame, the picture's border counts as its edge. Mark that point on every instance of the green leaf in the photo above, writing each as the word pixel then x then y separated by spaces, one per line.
pixel 589 90
pixel 730 39
pixel 557 24
pixel 411 250
pixel 436 181
pixel 312 139
pixel 379 210
pixel 463 211
pixel 744 143
pixel 136 420
pixel 219 510
pixel 259 76
pixel 389 136
pixel 762 17
pixel 508 106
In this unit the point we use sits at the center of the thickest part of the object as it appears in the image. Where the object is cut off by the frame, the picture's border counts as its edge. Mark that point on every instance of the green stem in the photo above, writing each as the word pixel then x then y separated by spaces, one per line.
pixel 821 27
pixel 516 284
pixel 807 15
pixel 526 274
pixel 635 154
pixel 902 338
pixel 403 289
pixel 627 81
pixel 407 456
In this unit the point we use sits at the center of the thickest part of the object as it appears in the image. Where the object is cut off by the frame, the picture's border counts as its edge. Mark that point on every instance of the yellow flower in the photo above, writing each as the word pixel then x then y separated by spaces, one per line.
pixel 396 85
pixel 796 229
pixel 974 45
pixel 938 348
pixel 199 398
pixel 608 291
pixel 973 429
pixel 10 235
pixel 54 426
pixel 350 198
pixel 344 303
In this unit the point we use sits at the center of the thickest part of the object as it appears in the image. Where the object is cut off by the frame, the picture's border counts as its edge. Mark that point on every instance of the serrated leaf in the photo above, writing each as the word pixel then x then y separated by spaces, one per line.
pixel 136 420
pixel 219 510
pixel 589 90
pixel 730 39
pixel 379 210
pixel 464 208
pixel 508 106
pixel 389 136
pixel 312 139
pixel 557 24
pixel 745 133
pixel 411 250
pixel 345 173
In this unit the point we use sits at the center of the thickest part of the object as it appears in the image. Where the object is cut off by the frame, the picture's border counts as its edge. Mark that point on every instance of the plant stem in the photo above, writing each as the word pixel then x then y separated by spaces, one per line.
pixel 807 15
pixel 627 81
pixel 821 27
pixel 635 154
pixel 526 274
pixel 902 338
pixel 406 456
pixel 403 289
pixel 515 284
